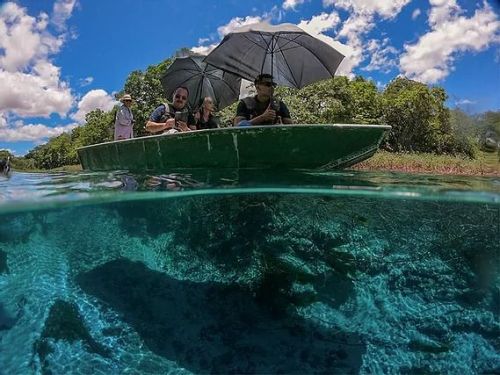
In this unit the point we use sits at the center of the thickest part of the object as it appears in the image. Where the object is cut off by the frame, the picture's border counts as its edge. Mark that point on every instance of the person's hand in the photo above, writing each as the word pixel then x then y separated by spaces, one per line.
pixel 197 115
pixel 182 126
pixel 170 123
pixel 268 115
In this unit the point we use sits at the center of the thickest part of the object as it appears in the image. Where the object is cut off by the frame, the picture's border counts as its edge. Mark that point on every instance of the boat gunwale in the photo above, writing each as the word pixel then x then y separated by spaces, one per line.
pixel 249 128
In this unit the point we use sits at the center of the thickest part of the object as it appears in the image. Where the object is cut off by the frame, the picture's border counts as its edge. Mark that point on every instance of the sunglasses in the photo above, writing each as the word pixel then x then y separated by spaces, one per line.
pixel 128 101
pixel 177 96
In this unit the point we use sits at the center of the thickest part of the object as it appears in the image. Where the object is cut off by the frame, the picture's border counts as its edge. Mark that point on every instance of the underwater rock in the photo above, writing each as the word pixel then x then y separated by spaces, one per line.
pixel 6 321
pixel 342 262
pixel 17 228
pixel 213 327
pixel 429 346
pixel 65 323
pixel 3 262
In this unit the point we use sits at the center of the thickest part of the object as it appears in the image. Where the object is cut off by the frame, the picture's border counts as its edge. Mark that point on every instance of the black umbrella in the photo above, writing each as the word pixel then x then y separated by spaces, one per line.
pixel 292 56
pixel 201 80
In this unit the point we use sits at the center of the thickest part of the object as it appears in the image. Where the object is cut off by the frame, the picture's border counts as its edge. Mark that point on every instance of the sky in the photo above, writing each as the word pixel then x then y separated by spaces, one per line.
pixel 60 59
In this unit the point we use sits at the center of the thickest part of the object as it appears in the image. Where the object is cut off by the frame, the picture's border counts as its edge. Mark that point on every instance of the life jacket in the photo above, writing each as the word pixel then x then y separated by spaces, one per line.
pixel 170 112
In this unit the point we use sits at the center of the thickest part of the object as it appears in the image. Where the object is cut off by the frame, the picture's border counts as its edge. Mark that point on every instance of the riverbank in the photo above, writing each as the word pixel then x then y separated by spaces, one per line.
pixel 486 164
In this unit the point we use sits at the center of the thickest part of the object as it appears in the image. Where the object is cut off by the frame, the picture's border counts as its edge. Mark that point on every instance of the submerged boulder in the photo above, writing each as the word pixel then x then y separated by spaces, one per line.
pixel 65 323
pixel 3 262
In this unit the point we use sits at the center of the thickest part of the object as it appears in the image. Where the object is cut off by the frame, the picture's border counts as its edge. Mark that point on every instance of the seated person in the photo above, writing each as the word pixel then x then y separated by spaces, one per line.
pixel 263 108
pixel 204 116
pixel 163 119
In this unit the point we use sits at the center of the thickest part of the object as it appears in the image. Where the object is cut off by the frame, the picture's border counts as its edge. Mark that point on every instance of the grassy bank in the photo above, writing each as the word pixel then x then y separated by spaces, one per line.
pixel 486 164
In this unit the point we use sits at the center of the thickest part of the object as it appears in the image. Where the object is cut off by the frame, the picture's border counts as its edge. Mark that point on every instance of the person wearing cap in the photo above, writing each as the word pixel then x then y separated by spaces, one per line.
pixel 172 118
pixel 124 120
pixel 263 108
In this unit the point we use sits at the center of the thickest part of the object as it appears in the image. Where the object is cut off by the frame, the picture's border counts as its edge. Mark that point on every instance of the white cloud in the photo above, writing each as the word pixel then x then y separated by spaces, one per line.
pixel 32 132
pixel 431 58
pixel 360 22
pixel 443 11
pixel 204 50
pixel 292 4
pixel 236 23
pixel 415 14
pixel 86 81
pixel 382 55
pixel 223 31
pixel 24 39
pixel 31 84
pixel 61 12
pixel 94 99
pixel 3 120
pixel 386 9
pixel 34 94
pixel 465 102
pixel 318 25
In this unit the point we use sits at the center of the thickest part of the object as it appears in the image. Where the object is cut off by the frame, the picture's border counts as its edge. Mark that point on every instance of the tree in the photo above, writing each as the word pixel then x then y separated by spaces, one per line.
pixel 147 91
pixel 55 153
pixel 366 106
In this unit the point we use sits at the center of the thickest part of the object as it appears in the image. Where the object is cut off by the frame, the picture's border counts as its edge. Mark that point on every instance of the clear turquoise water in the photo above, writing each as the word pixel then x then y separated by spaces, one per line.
pixel 249 272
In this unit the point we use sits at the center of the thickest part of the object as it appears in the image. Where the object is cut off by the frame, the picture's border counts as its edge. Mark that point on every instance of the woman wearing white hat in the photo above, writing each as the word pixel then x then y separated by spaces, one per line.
pixel 124 121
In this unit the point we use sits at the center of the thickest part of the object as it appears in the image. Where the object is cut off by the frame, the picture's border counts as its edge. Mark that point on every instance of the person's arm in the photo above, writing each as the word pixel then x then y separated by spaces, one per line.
pixel 154 126
pixel 285 114
pixel 242 115
pixel 192 123
pixel 268 116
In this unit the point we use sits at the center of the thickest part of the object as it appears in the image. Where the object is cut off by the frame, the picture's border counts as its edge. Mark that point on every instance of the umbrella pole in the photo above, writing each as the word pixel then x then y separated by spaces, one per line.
pixel 272 57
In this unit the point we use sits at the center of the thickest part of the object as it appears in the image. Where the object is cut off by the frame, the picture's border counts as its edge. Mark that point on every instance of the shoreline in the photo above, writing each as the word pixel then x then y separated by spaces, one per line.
pixel 486 164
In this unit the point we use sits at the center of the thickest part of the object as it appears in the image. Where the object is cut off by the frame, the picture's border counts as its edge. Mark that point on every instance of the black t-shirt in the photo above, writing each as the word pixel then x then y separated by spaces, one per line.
pixel 257 108
pixel 210 124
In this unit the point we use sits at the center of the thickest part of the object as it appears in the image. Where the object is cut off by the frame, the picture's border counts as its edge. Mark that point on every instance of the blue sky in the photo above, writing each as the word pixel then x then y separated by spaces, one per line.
pixel 60 59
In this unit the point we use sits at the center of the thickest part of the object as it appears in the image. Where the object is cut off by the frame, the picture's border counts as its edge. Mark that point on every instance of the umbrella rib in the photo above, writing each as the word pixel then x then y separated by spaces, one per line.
pixel 254 42
pixel 289 69
pixel 315 56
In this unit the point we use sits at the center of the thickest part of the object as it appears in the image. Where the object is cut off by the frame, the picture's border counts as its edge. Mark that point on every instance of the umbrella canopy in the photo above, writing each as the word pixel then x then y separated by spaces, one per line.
pixel 292 56
pixel 201 80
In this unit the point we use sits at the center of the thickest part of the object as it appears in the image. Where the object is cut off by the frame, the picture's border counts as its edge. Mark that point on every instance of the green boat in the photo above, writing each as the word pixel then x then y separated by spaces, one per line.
pixel 320 147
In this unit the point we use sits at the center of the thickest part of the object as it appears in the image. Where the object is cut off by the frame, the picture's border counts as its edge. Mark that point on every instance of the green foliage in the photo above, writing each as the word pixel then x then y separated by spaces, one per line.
pixel 17 163
pixel 98 128
pixel 55 153
pixel 490 121
pixel 4 154
pixel 419 119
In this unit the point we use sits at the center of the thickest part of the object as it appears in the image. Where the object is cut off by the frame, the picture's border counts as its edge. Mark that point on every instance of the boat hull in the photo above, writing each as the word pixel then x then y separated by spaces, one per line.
pixel 283 147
